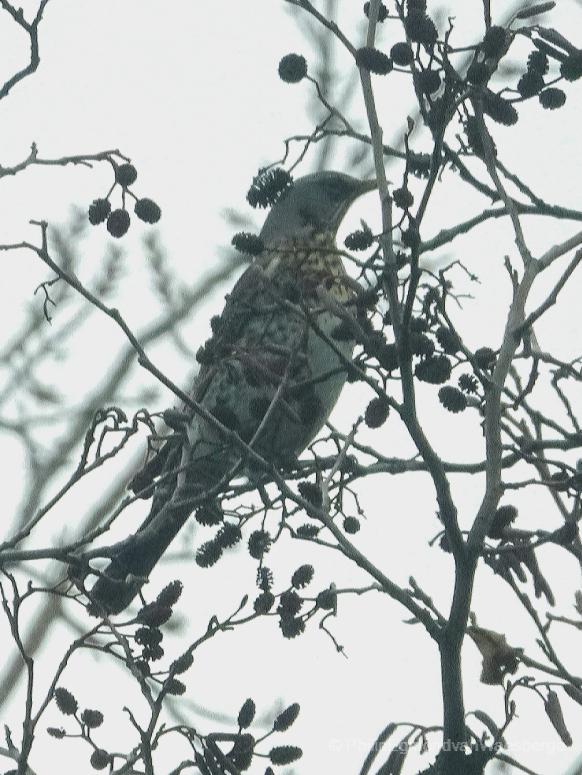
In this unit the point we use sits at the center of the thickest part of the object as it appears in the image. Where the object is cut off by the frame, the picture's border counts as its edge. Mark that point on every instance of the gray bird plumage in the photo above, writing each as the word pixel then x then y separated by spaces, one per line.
pixel 264 360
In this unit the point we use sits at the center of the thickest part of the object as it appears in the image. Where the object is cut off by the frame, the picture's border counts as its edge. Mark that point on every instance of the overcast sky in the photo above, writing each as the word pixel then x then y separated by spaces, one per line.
pixel 190 91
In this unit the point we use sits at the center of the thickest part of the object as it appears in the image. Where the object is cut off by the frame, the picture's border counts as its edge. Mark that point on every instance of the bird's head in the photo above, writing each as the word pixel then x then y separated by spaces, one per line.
pixel 313 204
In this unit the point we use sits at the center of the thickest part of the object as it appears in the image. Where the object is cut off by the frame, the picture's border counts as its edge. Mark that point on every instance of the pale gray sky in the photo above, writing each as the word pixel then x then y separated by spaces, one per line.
pixel 190 91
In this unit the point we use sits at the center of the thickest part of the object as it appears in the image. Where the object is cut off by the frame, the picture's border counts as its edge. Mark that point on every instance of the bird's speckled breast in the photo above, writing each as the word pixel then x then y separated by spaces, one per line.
pixel 313 262
pixel 275 366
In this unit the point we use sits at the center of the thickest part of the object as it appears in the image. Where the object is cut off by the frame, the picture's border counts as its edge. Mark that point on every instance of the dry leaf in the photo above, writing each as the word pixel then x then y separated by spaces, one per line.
pixel 499 658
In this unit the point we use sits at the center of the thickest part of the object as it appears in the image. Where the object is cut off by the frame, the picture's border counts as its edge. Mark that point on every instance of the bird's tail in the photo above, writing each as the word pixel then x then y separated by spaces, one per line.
pixel 174 495
pixel 129 569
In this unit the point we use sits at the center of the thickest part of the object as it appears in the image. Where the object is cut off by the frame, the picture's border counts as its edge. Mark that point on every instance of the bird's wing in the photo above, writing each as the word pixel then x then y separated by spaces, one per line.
pixel 228 329
pixel 260 334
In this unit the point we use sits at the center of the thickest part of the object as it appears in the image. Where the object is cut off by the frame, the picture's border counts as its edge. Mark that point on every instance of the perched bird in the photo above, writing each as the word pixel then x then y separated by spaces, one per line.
pixel 271 372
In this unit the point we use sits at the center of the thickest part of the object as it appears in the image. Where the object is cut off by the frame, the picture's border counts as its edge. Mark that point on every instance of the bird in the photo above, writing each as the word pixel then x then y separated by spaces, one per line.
pixel 271 373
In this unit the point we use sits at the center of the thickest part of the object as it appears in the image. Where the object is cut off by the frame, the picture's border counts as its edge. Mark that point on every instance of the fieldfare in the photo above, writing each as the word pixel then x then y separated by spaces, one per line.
pixel 271 373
